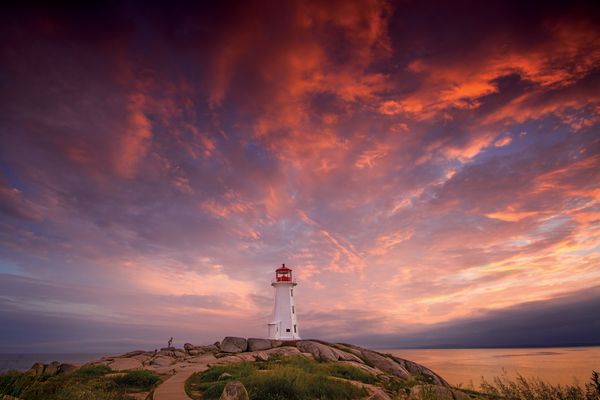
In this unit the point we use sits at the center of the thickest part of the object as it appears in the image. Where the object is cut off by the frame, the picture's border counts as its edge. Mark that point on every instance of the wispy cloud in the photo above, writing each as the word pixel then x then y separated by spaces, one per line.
pixel 155 167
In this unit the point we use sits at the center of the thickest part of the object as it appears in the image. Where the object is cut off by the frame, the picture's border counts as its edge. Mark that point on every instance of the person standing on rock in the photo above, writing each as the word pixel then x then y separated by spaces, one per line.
pixel 170 342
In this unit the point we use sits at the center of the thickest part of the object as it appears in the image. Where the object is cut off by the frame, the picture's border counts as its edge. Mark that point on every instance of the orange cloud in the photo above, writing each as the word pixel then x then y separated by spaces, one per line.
pixel 134 140
pixel 569 54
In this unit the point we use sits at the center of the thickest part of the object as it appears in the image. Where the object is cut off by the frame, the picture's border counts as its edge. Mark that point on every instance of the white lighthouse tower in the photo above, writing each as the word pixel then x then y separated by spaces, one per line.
pixel 284 325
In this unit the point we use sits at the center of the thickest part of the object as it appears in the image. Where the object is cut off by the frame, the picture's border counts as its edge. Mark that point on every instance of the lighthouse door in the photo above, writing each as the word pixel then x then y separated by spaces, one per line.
pixel 274 330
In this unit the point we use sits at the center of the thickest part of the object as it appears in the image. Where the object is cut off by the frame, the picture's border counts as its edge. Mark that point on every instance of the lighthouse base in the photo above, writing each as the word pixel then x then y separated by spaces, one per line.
pixel 276 333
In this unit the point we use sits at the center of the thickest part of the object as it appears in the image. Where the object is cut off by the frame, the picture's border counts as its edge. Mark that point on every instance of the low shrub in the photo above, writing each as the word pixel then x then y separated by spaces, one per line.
pixel 523 388
pixel 138 379
pixel 91 371
pixel 87 383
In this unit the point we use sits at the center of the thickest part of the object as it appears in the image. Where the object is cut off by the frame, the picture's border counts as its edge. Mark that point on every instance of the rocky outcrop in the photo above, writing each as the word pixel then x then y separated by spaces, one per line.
pixel 385 364
pixel 259 344
pixel 386 367
pixel 233 344
pixel 418 369
pixel 234 390
pixel 323 352
pixel 54 368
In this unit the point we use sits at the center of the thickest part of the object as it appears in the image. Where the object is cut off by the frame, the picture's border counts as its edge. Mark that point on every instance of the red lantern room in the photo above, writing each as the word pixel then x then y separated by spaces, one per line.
pixel 283 274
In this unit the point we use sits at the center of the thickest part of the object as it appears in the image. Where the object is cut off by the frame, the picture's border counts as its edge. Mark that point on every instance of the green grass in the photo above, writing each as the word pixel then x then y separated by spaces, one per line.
pixel 137 380
pixel 289 378
pixel 86 383
pixel 523 388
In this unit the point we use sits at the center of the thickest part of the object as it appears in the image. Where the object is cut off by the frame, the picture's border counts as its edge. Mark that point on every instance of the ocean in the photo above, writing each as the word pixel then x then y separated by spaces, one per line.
pixel 466 367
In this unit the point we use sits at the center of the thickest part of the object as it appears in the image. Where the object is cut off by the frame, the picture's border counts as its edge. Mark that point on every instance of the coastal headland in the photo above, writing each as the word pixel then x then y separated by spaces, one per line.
pixel 334 367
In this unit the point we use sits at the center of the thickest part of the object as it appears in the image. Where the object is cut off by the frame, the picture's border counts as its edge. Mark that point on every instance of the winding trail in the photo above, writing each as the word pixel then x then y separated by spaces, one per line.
pixel 174 387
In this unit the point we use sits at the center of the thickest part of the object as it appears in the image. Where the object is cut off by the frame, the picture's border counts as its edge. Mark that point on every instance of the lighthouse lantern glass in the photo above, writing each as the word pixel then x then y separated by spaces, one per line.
pixel 284 276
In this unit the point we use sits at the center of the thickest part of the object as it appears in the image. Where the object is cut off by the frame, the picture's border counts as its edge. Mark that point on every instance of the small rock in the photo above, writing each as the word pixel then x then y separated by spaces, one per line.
pixel 179 354
pixel 225 375
pixel 261 356
pixel 234 344
pixel 66 368
pixel 234 390
pixel 188 346
pixel 209 349
pixel 52 368
pixel 37 369
pixel 259 344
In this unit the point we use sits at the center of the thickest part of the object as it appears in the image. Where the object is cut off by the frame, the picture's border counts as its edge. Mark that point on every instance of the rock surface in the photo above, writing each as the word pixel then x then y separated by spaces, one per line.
pixel 234 390
pixel 54 368
pixel 122 364
pixel 259 344
pixel 234 344
pixel 386 364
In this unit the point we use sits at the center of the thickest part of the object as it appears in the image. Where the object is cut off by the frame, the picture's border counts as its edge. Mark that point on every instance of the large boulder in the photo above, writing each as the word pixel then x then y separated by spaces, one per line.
pixel 234 390
pixel 234 344
pixel 385 364
pixel 259 344
pixel 323 352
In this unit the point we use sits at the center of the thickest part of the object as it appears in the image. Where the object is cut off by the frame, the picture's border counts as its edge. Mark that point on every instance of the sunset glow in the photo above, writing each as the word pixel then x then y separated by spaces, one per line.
pixel 414 166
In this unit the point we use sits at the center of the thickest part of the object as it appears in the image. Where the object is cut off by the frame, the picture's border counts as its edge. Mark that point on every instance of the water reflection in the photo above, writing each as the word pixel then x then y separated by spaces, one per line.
pixel 467 366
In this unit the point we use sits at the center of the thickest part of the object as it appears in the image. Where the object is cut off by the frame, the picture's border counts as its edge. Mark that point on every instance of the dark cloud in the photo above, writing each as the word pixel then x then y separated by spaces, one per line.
pixel 411 160
pixel 569 320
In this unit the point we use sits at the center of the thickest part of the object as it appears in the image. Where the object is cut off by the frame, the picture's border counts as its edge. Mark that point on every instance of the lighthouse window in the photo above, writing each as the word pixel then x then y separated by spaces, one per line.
pixel 295 331
pixel 293 312
pixel 292 290
pixel 287 330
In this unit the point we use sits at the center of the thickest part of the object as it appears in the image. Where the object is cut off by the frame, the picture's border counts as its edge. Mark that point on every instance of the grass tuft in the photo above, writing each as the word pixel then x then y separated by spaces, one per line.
pixel 86 383
pixel 290 378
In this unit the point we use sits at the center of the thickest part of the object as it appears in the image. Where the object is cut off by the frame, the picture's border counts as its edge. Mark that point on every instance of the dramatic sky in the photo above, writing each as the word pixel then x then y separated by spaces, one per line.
pixel 430 170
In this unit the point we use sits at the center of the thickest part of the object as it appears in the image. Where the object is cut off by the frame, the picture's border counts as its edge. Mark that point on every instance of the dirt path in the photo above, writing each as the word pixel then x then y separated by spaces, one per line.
pixel 174 387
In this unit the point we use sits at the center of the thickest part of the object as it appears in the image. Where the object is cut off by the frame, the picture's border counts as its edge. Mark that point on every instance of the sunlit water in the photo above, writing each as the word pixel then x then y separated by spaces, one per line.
pixel 562 365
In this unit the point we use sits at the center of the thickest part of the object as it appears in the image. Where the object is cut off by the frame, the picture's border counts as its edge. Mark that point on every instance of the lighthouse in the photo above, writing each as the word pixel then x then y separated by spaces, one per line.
pixel 284 325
